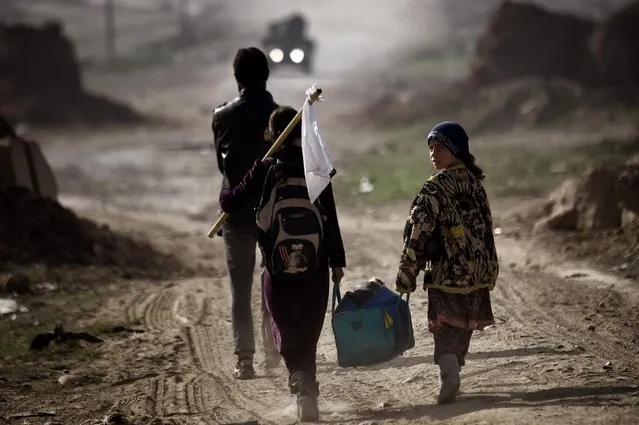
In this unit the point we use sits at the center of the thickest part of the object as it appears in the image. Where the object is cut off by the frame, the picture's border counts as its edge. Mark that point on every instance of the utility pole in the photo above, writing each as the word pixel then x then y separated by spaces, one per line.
pixel 109 20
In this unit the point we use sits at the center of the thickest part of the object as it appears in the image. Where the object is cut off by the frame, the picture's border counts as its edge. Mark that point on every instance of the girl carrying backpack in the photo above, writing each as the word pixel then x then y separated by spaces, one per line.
pixel 300 242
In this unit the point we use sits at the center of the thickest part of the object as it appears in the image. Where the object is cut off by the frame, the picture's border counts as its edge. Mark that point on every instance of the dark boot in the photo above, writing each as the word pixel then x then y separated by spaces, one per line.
pixel 307 408
pixel 450 379
pixel 307 391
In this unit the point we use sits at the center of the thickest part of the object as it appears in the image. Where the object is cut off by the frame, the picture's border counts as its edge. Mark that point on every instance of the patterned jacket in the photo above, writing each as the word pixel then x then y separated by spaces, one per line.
pixel 449 235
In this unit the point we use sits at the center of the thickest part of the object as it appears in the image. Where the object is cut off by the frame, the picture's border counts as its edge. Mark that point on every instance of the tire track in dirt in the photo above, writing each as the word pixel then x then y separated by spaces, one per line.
pixel 212 353
pixel 179 307
pixel 558 318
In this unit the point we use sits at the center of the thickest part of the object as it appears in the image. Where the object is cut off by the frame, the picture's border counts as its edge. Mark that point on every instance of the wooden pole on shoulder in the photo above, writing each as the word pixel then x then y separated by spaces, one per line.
pixel 314 94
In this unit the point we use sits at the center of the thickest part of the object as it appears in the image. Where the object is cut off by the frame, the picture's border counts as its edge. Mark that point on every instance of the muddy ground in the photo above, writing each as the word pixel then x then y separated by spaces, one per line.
pixel 564 349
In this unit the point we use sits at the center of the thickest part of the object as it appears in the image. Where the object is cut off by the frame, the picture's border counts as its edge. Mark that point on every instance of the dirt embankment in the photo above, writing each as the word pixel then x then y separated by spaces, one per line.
pixel 40 231
pixel 533 67
pixel 41 81
pixel 593 217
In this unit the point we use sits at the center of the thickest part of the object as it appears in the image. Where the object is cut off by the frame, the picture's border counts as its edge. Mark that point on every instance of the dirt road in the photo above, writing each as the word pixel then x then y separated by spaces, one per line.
pixel 565 348
pixel 539 364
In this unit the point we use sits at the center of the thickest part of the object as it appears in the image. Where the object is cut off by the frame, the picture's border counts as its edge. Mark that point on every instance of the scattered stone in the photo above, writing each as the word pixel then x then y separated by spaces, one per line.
pixel 8 306
pixel 32 415
pixel 115 418
pixel 59 335
pixel 591 328
pixel 69 379
pixel 19 283
pixel 576 275
pixel 608 366
pixel 124 329
pixel 413 378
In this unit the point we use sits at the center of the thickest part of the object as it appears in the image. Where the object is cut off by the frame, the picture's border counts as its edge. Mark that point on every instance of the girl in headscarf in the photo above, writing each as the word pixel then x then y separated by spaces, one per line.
pixel 449 235
pixel 296 309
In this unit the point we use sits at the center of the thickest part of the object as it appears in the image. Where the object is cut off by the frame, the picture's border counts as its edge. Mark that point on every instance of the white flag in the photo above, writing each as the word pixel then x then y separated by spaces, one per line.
pixel 318 167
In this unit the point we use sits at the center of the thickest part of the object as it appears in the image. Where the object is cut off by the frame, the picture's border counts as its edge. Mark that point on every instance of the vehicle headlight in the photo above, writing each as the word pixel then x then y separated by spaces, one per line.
pixel 297 55
pixel 276 55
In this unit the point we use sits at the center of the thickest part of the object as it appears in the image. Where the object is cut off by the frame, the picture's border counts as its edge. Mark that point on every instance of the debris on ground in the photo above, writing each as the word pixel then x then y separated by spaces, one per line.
pixel 124 329
pixel 115 418
pixel 18 283
pixel 8 306
pixel 60 336
pixel 26 415
pixel 69 379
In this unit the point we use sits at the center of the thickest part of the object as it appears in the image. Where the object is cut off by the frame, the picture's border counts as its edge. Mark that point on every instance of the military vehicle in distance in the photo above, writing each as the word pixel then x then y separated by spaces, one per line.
pixel 287 44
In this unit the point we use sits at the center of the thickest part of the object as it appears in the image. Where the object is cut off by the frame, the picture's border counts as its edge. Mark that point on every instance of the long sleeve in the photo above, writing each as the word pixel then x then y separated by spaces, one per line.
pixel 236 198
pixel 419 227
pixel 216 141
pixel 334 243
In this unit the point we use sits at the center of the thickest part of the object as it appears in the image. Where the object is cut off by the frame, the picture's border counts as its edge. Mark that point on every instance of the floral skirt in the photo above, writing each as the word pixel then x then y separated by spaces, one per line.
pixel 471 311
pixel 452 318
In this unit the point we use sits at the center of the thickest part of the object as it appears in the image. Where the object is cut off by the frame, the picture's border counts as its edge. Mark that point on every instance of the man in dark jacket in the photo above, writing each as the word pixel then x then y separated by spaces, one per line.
pixel 238 130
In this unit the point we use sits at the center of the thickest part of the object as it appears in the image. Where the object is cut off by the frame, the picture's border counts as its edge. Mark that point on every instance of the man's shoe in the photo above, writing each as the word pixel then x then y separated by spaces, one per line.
pixel 244 370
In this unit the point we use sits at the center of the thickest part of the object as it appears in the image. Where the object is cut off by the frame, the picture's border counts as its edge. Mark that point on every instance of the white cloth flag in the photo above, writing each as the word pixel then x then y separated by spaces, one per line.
pixel 317 162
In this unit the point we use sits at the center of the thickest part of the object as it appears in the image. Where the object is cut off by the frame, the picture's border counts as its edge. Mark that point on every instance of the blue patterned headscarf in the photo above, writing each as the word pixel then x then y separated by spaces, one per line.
pixel 453 137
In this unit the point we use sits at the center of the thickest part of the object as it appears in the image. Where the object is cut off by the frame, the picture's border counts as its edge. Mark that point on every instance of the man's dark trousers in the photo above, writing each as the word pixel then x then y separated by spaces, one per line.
pixel 240 240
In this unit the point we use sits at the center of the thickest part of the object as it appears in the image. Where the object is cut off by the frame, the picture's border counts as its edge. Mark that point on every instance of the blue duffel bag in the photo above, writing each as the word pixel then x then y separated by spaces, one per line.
pixel 371 324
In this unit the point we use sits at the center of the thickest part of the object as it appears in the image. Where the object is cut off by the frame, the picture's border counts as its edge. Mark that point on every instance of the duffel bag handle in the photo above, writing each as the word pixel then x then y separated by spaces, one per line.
pixel 337 297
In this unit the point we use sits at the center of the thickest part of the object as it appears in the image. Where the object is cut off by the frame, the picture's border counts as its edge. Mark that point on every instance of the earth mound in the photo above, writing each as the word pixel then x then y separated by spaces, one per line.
pixel 525 40
pixel 40 230
pixel 595 217
pixel 41 81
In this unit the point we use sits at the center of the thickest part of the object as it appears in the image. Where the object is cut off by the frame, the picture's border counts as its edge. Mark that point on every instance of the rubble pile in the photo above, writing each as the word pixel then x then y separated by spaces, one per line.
pixel 41 81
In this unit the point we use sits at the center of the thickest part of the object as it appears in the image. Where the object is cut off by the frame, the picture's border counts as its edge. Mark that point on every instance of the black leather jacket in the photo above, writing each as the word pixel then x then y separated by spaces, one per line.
pixel 238 132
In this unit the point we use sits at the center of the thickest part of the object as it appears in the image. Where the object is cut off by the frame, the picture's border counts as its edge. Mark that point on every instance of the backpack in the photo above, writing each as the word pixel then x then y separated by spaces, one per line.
pixel 290 227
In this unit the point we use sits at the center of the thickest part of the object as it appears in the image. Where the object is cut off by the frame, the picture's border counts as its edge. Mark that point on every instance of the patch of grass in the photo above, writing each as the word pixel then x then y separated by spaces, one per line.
pixel 398 172
pixel 436 65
